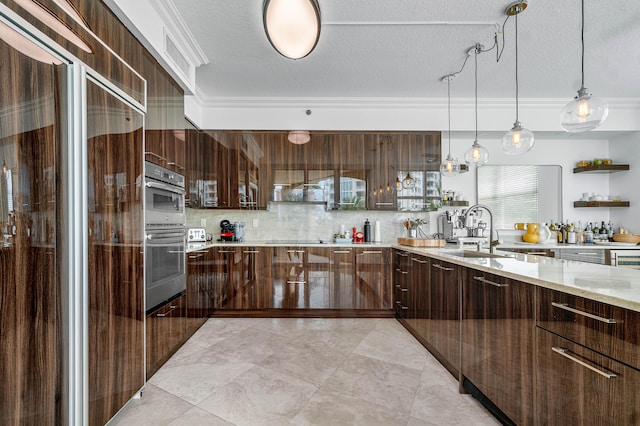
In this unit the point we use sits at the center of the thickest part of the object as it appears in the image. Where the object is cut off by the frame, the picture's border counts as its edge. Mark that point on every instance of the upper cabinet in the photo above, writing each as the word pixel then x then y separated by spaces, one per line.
pixel 341 170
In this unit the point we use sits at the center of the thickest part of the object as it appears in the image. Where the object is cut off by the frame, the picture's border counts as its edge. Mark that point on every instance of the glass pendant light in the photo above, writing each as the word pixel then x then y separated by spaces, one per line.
pixel 477 154
pixel 451 165
pixel 398 183
pixel 584 112
pixel 518 140
pixel 408 181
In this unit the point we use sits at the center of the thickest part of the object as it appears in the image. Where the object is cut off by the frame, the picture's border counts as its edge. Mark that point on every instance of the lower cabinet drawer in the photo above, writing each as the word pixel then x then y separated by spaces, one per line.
pixel 577 386
pixel 607 329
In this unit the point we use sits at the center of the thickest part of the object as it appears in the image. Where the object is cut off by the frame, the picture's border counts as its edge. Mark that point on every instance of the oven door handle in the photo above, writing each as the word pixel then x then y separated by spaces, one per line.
pixel 164 186
pixel 165 235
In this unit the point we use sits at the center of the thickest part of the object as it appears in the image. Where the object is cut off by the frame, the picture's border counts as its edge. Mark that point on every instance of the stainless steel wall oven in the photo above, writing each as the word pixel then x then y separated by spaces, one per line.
pixel 165 230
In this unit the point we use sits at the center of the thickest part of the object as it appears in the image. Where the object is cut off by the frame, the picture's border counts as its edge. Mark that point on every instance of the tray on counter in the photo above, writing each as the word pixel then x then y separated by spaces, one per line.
pixel 421 242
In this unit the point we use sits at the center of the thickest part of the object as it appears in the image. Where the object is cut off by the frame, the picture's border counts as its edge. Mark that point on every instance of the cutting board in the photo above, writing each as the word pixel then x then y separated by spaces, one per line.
pixel 421 242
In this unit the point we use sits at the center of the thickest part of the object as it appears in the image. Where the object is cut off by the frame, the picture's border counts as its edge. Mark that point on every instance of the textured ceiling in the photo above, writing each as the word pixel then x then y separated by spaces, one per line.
pixel 367 49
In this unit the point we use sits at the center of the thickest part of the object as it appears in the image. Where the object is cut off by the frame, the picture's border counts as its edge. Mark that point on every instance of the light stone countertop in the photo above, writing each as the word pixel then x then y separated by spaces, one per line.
pixel 613 285
pixel 191 247
pixel 556 246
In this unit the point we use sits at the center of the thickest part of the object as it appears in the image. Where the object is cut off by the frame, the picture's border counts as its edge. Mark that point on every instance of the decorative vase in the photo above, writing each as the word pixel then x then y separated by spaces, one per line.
pixel 532 233
pixel 544 234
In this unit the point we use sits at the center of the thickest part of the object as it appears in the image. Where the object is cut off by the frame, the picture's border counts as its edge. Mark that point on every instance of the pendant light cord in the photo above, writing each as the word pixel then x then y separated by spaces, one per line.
pixel 582 41
pixel 449 109
pixel 517 116
pixel 476 90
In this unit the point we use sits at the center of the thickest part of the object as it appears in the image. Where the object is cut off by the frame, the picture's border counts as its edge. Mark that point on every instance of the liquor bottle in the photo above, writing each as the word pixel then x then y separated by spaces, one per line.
pixel 603 228
pixel 610 231
pixel 560 230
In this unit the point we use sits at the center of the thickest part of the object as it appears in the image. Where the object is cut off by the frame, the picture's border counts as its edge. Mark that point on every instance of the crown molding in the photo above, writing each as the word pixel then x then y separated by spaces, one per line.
pixel 180 32
pixel 389 102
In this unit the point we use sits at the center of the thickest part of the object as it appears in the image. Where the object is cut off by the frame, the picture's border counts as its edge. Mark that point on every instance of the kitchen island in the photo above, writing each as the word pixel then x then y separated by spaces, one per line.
pixel 538 340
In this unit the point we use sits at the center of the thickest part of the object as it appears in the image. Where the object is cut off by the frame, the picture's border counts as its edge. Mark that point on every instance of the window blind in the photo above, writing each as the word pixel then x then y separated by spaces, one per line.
pixel 511 192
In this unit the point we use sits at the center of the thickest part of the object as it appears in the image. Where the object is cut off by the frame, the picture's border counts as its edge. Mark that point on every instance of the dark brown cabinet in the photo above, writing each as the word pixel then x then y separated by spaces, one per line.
pixel 418 297
pixel 115 254
pixel 588 356
pixel 576 385
pixel 249 286
pixel 372 283
pixel 166 330
pixel 201 291
pixel 444 313
pixel 400 283
pixel 345 170
pixel 341 284
pixel 497 342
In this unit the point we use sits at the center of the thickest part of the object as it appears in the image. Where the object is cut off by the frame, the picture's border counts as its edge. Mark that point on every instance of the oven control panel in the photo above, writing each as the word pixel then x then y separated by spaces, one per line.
pixel 196 235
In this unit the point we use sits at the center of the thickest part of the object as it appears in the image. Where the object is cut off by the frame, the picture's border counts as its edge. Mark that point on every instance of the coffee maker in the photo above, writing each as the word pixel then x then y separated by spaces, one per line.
pixel 448 223
pixel 227 231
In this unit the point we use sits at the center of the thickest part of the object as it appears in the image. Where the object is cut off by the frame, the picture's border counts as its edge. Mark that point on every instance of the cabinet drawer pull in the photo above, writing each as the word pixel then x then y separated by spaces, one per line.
pixel 495 284
pixel 196 256
pixel 588 254
pixel 566 307
pixel 397 285
pixel 296 282
pixel 172 308
pixel 295 251
pixel 405 308
pixel 153 154
pixel 540 253
pixel 404 290
pixel 435 265
pixel 250 251
pixel 371 252
pixel 342 251
pixel 384 204
pixel 404 272
pixel 175 164
pixel 402 254
pixel 565 353
pixel 226 251
pixel 418 260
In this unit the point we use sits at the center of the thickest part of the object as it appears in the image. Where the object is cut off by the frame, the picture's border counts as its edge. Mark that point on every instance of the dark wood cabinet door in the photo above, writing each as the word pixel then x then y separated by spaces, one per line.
pixel 418 296
pixel 201 294
pixel 497 341
pixel 166 329
pixel 607 329
pixel 372 283
pixel 576 385
pixel 226 269
pixel 444 312
pixel 115 259
pixel 249 286
pixel 342 279
pixel 401 261
pixel 32 241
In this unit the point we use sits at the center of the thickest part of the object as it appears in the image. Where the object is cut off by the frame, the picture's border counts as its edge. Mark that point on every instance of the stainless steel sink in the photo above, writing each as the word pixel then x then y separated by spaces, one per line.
pixel 477 254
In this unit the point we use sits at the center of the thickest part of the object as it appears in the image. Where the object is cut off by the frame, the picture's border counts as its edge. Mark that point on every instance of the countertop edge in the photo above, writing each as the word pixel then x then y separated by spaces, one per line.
pixel 592 294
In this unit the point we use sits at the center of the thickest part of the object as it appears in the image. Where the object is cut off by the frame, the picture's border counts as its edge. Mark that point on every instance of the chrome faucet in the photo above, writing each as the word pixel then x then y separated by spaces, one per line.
pixel 492 243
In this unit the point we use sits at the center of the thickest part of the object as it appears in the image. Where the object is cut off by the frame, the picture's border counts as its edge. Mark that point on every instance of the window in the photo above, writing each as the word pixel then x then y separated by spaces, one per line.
pixel 520 193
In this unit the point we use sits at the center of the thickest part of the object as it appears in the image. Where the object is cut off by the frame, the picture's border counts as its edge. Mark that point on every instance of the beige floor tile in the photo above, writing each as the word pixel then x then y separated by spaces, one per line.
pixel 156 407
pixel 389 385
pixel 199 417
pixel 326 409
pixel 259 397
pixel 195 382
pixel 392 344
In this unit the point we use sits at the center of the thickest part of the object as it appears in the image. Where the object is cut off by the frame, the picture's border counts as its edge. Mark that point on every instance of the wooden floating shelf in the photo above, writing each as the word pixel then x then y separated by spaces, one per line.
pixel 602 168
pixel 600 204
pixel 421 242
pixel 455 204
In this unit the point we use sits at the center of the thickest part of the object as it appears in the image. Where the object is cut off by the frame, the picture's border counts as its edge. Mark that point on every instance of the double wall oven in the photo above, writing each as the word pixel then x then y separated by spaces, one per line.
pixel 165 230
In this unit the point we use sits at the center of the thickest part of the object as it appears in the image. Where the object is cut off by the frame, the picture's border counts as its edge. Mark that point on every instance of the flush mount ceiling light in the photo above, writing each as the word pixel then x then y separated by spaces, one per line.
pixel 518 140
pixel 584 112
pixel 292 26
pixel 477 154
pixel 299 137
pixel 451 166
pixel 50 20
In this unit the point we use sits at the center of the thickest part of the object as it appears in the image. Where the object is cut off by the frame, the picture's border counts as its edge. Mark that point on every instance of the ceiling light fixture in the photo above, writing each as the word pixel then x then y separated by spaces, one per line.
pixel 292 26
pixel 519 139
pixel 451 166
pixel 477 154
pixel 408 181
pixel 299 137
pixel 22 44
pixel 45 16
pixel 584 112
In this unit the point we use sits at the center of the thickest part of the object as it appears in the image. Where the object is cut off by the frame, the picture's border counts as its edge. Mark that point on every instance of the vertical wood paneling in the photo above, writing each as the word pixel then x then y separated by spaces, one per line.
pixel 115 264
pixel 31 391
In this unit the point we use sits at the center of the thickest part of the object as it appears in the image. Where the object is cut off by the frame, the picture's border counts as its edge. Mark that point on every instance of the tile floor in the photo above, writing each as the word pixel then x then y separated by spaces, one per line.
pixel 289 371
